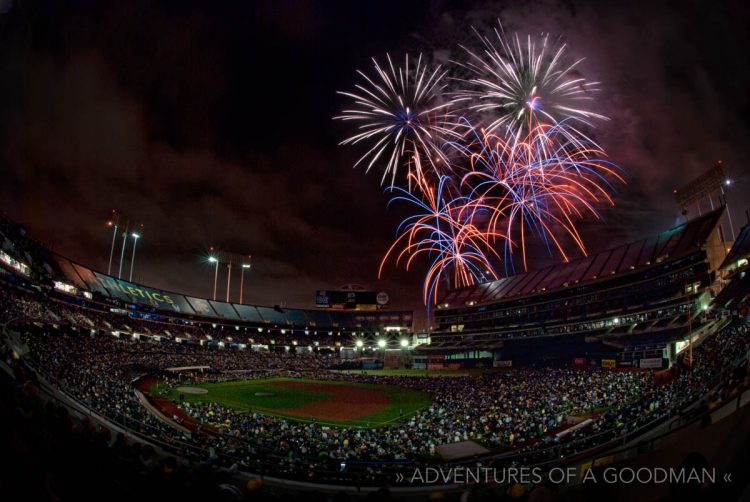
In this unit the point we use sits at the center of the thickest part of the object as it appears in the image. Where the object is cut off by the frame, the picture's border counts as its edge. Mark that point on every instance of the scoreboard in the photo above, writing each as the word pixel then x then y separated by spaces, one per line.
pixel 350 300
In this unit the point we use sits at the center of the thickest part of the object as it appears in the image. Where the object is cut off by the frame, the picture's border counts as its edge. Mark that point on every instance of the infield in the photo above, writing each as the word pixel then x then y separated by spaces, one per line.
pixel 322 401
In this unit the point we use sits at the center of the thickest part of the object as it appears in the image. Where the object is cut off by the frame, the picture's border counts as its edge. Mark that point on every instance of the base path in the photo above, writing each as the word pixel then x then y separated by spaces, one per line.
pixel 192 390
pixel 343 403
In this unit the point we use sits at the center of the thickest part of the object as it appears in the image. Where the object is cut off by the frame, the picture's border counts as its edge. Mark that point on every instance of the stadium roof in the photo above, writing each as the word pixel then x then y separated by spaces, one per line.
pixel 672 243
pixel 87 279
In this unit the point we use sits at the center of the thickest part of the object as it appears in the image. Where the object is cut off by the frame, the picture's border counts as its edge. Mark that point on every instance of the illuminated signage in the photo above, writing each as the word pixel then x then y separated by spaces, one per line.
pixel 13 263
pixel 609 363
pixel 65 287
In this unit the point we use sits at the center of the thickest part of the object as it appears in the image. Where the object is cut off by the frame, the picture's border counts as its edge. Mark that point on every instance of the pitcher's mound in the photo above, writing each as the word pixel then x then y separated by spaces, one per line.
pixel 192 390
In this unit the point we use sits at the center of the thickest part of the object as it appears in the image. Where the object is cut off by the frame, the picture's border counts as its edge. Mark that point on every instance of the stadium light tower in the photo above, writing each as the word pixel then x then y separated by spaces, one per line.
pixel 242 278
pixel 213 259
pixel 229 276
pixel 122 251
pixel 727 184
pixel 136 236
pixel 113 222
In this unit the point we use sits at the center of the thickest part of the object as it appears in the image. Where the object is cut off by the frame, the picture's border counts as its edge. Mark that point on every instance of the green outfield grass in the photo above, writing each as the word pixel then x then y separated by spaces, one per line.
pixel 268 397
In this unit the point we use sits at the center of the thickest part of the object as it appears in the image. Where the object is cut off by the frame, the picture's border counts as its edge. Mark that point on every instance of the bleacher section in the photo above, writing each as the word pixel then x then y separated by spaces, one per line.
pixel 740 252
pixel 668 245
pixel 24 257
pixel 645 295
pixel 734 294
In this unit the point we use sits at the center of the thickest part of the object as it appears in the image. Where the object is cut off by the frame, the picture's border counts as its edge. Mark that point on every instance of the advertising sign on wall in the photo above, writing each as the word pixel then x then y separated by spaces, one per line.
pixel 650 362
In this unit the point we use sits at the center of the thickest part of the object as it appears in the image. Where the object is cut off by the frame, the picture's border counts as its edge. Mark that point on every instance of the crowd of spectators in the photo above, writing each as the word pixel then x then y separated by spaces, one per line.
pixel 521 410
pixel 57 455
pixel 518 413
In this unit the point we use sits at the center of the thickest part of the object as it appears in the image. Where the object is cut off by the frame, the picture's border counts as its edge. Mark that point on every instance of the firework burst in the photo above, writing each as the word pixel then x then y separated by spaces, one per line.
pixel 521 84
pixel 403 117
pixel 459 252
pixel 540 183
pixel 481 194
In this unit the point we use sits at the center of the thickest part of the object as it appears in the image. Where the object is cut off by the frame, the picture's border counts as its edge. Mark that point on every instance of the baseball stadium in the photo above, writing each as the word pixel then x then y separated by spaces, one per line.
pixel 506 345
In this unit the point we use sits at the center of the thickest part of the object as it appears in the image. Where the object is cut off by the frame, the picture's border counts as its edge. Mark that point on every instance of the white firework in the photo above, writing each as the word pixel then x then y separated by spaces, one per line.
pixel 520 84
pixel 403 117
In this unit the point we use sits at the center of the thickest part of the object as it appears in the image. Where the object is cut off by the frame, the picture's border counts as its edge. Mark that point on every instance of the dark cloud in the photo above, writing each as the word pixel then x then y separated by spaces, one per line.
pixel 674 84
pixel 211 124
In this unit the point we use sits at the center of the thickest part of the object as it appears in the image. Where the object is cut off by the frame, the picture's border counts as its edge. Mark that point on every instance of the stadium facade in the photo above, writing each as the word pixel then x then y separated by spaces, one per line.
pixel 102 348
pixel 26 259
pixel 632 305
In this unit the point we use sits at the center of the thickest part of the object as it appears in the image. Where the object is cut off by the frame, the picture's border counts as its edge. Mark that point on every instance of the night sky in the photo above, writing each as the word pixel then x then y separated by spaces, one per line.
pixel 210 123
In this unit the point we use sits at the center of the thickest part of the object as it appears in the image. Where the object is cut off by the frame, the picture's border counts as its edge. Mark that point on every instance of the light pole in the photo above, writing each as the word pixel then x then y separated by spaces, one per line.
pixel 727 183
pixel 136 236
pixel 229 277
pixel 114 222
pixel 213 259
pixel 242 279
pixel 122 252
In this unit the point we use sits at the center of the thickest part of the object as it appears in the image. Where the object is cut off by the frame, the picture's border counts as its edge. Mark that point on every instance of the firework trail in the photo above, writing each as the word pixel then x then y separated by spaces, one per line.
pixel 403 117
pixel 540 183
pixel 530 172
pixel 443 230
pixel 521 84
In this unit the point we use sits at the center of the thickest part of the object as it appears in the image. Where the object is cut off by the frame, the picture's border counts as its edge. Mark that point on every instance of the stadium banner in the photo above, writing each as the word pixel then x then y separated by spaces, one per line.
pixel 502 364
pixel 201 306
pixel 579 361
pixel 650 362
pixel 247 312
pixel 225 310
pixel 609 363
pixel 129 292
pixel 70 272
pixel 91 281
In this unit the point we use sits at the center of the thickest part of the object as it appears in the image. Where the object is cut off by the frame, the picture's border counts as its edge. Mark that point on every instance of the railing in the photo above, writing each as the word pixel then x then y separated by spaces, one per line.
pixel 648 444
pixel 351 474
pixel 348 472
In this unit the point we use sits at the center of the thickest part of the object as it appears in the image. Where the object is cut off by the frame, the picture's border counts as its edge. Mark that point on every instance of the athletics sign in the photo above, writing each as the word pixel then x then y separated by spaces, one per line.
pixel 134 292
